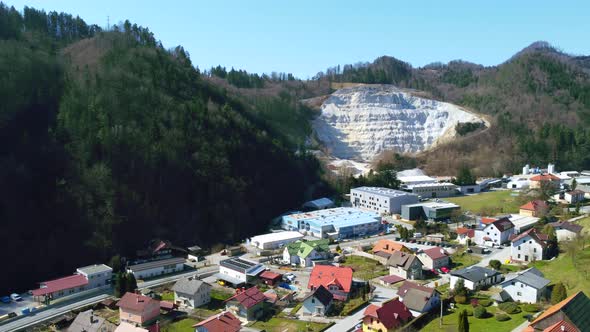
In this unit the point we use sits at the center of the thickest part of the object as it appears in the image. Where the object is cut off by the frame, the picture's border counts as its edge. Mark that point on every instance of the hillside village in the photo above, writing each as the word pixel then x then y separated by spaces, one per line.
pixel 509 253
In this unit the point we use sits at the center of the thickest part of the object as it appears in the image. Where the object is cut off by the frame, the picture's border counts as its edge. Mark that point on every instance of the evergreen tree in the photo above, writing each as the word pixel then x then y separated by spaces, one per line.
pixel 115 263
pixel 460 288
pixel 559 293
pixel 463 323
pixel 464 177
pixel 120 284
pixel 130 283
pixel 574 184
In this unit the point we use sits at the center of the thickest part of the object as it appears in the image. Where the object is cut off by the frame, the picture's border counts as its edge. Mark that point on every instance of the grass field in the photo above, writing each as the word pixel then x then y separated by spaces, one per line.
pixel 475 324
pixel 586 223
pixel 365 268
pixel 575 278
pixel 488 203
pixel 283 324
pixel 168 296
pixel 185 325
pixel 461 259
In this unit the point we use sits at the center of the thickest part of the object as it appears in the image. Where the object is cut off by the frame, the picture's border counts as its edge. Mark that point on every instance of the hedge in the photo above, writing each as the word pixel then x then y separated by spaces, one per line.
pixel 502 317
pixel 509 307
pixel 531 307
pixel 461 299
pixel 485 303
pixel 480 312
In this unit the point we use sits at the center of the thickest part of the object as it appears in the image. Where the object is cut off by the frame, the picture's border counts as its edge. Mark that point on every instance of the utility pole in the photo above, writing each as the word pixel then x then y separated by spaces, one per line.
pixel 108 23
pixel 441 312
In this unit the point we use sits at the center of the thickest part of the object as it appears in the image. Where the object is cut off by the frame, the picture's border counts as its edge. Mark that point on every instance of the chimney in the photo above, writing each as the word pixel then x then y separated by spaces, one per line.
pixel 563 327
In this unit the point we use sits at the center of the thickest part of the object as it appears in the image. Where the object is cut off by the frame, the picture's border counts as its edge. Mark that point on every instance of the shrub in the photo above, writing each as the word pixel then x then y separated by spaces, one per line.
pixel 531 307
pixel 474 302
pixel 495 264
pixel 502 317
pixel 509 307
pixel 480 312
pixel 461 299
pixel 485 303
pixel 558 293
pixel 469 312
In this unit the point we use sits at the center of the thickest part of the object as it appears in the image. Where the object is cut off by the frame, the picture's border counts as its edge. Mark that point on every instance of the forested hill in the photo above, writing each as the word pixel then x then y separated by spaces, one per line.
pixel 110 140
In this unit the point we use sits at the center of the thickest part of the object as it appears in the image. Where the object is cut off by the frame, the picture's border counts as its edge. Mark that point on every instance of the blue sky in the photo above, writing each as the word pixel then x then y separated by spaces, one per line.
pixel 304 37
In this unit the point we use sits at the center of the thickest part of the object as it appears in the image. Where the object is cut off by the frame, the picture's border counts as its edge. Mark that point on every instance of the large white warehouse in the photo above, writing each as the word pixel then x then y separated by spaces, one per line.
pixel 382 200
pixel 275 240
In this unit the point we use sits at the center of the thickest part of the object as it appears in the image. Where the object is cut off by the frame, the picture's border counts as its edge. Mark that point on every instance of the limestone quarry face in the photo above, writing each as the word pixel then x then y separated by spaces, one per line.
pixel 361 122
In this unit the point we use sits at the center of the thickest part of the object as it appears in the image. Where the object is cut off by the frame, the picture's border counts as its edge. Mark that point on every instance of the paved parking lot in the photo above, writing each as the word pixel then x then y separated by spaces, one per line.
pixel 16 307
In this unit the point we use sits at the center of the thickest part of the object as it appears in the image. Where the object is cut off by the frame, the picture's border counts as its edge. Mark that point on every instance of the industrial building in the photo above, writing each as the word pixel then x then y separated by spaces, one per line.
pixel 156 268
pixel 429 211
pixel 382 200
pixel 338 223
pixel 434 190
pixel 239 271
pixel 275 240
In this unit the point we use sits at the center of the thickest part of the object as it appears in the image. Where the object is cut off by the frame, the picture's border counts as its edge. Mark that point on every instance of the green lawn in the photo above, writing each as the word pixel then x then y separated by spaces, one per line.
pixel 283 324
pixel 585 222
pixel 488 203
pixel 218 296
pixel 185 325
pixel 461 259
pixel 475 324
pixel 574 277
pixel 365 268
pixel 168 296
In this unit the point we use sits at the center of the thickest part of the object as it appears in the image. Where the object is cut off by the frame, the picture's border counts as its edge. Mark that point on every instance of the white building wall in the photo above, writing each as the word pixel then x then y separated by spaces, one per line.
pixel 565 235
pixel 158 271
pixel 232 273
pixel 521 292
pixel 526 247
pixel 380 203
pixel 468 284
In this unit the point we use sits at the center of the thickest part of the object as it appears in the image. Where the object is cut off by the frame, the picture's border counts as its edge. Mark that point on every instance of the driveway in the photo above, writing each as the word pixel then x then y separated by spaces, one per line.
pixel 500 254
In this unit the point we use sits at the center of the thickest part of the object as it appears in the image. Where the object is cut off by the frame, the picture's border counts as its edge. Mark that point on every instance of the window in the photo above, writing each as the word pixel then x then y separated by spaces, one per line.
pixel 519 255
pixel 513 283
pixel 312 300
pixel 521 285
pixel 519 293
pixel 518 249
pixel 535 250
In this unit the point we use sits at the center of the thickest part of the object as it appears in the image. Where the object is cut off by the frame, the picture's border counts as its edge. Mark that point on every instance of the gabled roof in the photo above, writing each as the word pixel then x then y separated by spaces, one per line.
pixel 435 253
pixel 474 273
pixel 321 294
pixel 567 226
pixel 562 326
pixel 135 302
pixel 535 236
pixel 86 321
pixel 189 286
pixel 531 277
pixel 391 314
pixel 414 296
pixel 487 220
pixel 304 248
pixel 467 231
pixel 248 298
pixel 575 192
pixel 544 177
pixel 402 259
pixel 535 205
pixel 223 322
pixel 392 279
pixel 389 246
pixel 575 308
pixel 326 275
pixel 269 275
pixel 503 224
pixel 73 281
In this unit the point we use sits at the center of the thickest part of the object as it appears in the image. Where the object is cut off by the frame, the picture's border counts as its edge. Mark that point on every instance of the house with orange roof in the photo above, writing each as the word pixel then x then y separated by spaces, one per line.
pixel 464 234
pixel 338 280
pixel 538 181
pixel 390 316
pixel 224 321
pixel 536 208
pixel 570 314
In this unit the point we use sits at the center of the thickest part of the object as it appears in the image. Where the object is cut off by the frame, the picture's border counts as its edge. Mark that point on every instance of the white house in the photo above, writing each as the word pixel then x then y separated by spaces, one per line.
pixel 275 240
pixel 434 258
pixel 497 232
pixel 239 271
pixel 156 268
pixel 529 246
pixel 526 286
pixel 382 200
pixel 191 292
pixel 565 230
pixel 304 253
pixel 98 275
pixel 475 277
pixel 318 302
pixel 419 299
pixel 571 197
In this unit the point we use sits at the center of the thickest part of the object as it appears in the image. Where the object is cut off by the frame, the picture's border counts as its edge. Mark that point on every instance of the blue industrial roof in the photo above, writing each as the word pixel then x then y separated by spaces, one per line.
pixel 339 217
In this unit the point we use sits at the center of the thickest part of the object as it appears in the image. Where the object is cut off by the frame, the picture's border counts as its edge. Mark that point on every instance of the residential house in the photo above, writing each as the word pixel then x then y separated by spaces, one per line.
pixel 434 258
pixel 304 253
pixel 270 278
pixel 191 292
pixel 390 246
pixel 221 322
pixel 529 246
pixel 540 180
pixel 338 280
pixel 247 305
pixel 436 238
pixel 475 277
pixel 87 321
pixel 526 286
pixel 318 302
pixel 390 316
pixel 405 265
pixel 568 315
pixel 156 268
pixel 391 280
pixel 419 299
pixel 138 309
pixel 239 271
pixel 565 230
pixel 464 235
pixel 497 232
pixel 571 197
pixel 536 208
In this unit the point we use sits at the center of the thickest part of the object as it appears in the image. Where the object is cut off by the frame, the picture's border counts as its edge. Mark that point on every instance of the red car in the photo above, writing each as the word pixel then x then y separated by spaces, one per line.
pixel 445 269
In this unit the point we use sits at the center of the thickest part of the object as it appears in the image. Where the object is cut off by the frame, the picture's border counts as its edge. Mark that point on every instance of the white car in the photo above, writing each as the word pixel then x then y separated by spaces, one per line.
pixel 15 297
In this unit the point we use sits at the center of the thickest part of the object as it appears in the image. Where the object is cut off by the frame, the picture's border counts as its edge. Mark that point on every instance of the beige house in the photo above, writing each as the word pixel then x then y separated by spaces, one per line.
pixel 405 265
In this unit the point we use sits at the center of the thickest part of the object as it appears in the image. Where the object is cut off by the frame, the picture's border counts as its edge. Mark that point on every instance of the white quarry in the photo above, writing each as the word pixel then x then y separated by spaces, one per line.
pixel 360 122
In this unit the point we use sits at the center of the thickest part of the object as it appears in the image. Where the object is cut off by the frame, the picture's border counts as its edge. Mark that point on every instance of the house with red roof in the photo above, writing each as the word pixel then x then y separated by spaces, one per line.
pixel 434 258
pixel 247 305
pixel 529 246
pixel 270 278
pixel 85 278
pixel 138 309
pixel 536 208
pixel 464 234
pixel 537 181
pixel 338 280
pixel 221 322
pixel 390 316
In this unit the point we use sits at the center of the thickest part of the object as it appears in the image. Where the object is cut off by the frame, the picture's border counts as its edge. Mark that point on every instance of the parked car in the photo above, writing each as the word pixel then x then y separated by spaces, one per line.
pixel 289 277
pixel 15 297
pixel 5 299
pixel 445 269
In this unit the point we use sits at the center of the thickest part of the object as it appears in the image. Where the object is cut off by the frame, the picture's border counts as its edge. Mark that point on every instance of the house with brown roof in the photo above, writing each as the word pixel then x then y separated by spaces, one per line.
pixel 338 280
pixel 87 321
pixel 434 258
pixel 138 309
pixel 419 299
pixel 247 305
pixel 570 197
pixel 390 316
pixel 571 313
pixel 497 232
pixel 529 246
pixel 537 181
pixel 536 208
pixel 405 265
pixel 222 322
pixel 464 234
pixel 566 231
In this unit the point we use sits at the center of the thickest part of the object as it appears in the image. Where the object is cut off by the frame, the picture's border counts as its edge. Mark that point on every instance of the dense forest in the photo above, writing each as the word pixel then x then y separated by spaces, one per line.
pixel 110 140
